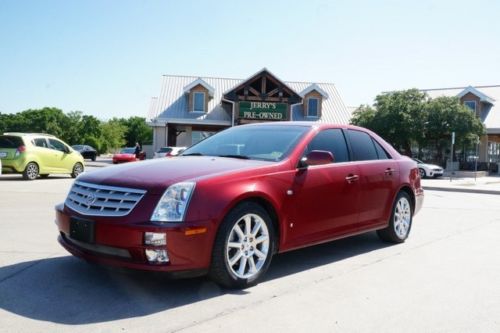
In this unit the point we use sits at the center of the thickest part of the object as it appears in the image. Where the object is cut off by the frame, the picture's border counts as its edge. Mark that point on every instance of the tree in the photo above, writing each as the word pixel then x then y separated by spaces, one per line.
pixel 447 115
pixel 112 135
pixel 409 119
pixel 137 131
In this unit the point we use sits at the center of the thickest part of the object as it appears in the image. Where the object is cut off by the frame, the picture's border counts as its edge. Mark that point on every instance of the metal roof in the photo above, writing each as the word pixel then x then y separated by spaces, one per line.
pixel 172 103
pixel 490 115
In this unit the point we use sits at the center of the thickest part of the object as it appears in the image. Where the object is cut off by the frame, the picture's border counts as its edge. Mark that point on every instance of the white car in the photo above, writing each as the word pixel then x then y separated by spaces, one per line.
pixel 428 170
pixel 168 151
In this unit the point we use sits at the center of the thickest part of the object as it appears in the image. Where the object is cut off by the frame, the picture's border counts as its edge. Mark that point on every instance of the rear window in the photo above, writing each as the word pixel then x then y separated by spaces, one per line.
pixel 164 150
pixel 7 141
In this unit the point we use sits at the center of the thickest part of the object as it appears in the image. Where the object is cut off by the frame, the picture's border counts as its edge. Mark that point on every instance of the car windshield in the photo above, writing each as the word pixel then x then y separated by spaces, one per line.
pixel 127 151
pixel 267 143
pixel 165 150
pixel 77 147
pixel 418 161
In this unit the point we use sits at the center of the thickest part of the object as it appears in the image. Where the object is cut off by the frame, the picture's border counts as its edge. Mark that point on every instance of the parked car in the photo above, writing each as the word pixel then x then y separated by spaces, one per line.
pixel 88 152
pixel 128 155
pixel 168 151
pixel 229 203
pixel 34 155
pixel 428 170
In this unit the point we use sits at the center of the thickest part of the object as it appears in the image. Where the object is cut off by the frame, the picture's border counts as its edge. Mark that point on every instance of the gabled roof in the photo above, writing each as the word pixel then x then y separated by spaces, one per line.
pixel 227 94
pixel 482 97
pixel 199 81
pixel 314 87
pixel 172 106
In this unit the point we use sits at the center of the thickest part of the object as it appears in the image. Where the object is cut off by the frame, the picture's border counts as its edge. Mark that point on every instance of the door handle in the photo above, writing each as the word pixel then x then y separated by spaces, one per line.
pixel 389 171
pixel 352 178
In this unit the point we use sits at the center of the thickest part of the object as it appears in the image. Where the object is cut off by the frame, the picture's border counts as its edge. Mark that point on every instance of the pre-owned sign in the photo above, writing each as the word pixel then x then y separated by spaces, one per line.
pixel 263 110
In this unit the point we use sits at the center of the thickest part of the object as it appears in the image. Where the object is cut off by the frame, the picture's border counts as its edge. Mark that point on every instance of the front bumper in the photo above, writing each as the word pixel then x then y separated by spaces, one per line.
pixel 123 245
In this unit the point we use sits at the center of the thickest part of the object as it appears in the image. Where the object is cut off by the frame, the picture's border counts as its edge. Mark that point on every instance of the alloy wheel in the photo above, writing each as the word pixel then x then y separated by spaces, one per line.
pixel 247 247
pixel 402 217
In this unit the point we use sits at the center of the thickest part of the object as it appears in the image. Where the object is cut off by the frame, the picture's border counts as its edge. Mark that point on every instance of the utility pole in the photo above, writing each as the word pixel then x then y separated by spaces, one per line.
pixel 476 158
pixel 451 154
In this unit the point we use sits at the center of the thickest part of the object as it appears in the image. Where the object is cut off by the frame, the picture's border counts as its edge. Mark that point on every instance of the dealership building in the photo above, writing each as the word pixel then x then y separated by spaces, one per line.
pixel 484 101
pixel 189 108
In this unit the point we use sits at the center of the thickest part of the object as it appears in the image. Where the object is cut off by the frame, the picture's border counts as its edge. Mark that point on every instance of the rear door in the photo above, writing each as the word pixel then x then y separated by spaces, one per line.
pixel 45 155
pixel 379 177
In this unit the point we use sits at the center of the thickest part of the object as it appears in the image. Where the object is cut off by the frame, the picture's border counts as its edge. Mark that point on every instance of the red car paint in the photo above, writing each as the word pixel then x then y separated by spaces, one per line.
pixel 128 155
pixel 310 205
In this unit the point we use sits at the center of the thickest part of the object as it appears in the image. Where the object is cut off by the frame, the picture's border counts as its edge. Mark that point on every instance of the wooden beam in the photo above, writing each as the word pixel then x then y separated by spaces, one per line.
pixel 263 85
pixel 273 92
pixel 269 99
pixel 253 91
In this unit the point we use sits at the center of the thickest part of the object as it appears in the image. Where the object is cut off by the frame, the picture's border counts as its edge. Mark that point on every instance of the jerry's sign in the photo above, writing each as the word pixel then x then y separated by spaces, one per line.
pixel 263 110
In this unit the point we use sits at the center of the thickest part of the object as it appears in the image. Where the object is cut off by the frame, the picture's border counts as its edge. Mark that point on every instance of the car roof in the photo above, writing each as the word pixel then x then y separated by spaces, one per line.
pixel 28 134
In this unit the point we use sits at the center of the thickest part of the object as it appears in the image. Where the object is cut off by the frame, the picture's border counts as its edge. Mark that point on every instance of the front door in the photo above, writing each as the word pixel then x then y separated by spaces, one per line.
pixel 325 197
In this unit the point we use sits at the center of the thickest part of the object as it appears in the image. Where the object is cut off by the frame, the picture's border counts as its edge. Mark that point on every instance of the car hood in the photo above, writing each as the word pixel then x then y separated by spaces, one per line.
pixel 156 175
pixel 432 166
pixel 123 155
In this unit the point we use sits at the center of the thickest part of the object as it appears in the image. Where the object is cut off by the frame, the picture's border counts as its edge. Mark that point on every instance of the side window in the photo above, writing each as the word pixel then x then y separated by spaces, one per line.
pixel 382 154
pixel 331 140
pixel 362 146
pixel 57 145
pixel 41 142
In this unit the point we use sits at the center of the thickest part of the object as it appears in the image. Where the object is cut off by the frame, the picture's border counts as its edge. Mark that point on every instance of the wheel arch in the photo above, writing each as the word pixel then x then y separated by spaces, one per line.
pixel 267 206
pixel 407 189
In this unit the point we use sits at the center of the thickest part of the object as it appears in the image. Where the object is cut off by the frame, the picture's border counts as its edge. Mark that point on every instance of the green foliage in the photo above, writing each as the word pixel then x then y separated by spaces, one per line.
pixel 113 135
pixel 408 118
pixel 76 128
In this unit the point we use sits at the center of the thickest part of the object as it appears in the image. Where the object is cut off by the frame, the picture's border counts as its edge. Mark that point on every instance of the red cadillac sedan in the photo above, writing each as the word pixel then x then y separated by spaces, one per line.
pixel 229 203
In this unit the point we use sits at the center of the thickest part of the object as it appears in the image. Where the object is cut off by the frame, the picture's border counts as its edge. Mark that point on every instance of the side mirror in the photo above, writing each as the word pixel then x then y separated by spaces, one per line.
pixel 316 157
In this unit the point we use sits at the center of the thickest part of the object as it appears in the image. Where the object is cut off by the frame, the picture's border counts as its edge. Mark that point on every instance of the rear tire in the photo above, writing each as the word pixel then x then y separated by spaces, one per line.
pixel 77 170
pixel 243 247
pixel 400 223
pixel 31 171
pixel 93 158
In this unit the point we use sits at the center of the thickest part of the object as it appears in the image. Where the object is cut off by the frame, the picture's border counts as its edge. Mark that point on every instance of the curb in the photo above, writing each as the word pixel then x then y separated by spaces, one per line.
pixel 463 190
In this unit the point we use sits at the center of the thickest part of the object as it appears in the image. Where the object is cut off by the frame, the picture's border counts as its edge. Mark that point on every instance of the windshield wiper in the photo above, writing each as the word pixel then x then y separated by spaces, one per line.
pixel 243 157
pixel 192 154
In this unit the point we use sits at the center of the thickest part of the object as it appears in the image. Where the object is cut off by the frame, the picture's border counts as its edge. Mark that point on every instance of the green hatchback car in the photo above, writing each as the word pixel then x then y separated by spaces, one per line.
pixel 33 155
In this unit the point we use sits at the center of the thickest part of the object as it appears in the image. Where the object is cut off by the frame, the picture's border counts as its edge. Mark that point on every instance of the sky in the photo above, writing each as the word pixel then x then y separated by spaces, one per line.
pixel 106 57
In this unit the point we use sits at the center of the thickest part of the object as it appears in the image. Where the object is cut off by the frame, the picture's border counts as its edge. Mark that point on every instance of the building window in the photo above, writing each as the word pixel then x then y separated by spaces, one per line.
pixel 471 105
pixel 313 107
pixel 199 101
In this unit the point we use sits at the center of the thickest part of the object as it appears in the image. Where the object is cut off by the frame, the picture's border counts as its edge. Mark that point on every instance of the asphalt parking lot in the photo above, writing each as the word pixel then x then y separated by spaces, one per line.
pixel 445 278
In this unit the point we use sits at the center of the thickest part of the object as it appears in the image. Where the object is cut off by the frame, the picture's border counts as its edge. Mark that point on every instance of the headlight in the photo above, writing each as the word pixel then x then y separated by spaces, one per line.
pixel 173 203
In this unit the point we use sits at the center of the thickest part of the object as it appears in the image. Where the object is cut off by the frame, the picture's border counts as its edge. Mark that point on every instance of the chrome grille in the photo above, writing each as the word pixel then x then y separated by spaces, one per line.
pixel 101 200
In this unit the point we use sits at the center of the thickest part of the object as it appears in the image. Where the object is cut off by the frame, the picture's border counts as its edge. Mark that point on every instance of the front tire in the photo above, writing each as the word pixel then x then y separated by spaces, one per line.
pixel 77 170
pixel 422 173
pixel 400 223
pixel 243 247
pixel 31 171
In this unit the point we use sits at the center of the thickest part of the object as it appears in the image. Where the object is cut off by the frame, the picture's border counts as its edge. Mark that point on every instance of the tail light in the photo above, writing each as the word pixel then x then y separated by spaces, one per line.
pixel 20 150
pixel 168 154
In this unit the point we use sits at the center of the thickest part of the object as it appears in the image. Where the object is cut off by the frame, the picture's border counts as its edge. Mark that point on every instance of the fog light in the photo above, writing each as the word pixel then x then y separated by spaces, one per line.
pixel 157 256
pixel 155 238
